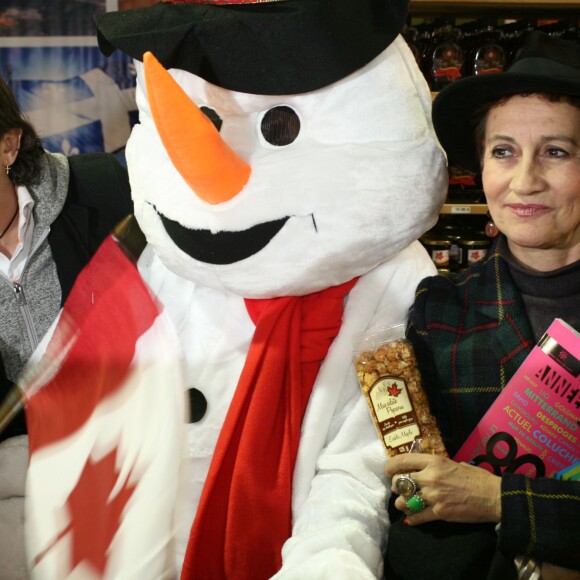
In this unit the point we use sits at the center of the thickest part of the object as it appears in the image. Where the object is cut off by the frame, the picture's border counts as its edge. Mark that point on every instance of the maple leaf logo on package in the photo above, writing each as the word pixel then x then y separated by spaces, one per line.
pixel 393 390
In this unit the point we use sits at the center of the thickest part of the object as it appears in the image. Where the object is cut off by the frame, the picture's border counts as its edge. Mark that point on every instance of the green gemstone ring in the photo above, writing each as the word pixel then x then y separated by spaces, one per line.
pixel 415 503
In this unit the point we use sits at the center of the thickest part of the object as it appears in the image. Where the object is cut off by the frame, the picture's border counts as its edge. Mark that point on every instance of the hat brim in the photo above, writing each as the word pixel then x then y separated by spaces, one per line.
pixel 283 47
pixel 455 105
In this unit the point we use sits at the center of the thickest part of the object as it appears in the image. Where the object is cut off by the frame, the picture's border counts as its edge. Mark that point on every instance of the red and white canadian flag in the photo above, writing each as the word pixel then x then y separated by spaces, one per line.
pixel 105 413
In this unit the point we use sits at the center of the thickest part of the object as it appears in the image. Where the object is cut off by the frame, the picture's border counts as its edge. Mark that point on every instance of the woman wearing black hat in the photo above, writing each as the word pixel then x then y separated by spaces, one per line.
pixel 471 332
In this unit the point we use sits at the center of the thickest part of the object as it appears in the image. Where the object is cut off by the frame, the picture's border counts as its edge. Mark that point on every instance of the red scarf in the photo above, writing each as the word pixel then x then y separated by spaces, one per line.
pixel 244 515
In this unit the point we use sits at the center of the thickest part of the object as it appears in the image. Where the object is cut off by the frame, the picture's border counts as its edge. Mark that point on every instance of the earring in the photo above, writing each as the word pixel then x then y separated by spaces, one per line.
pixel 491 230
pixel 8 167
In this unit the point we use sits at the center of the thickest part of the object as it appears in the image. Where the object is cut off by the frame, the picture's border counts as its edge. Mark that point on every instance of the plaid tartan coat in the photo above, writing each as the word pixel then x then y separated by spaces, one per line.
pixel 470 333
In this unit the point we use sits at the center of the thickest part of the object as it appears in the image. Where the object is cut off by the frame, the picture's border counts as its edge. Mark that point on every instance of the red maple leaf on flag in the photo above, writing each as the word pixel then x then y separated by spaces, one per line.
pixel 393 390
pixel 95 516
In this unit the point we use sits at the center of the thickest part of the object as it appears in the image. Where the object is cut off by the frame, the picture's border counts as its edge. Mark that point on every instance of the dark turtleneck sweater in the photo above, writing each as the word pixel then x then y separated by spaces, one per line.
pixel 546 295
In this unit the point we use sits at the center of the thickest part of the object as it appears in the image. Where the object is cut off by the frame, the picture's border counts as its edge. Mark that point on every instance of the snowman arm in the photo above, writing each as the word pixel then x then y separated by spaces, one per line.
pixel 341 526
pixel 13 468
pixel 340 489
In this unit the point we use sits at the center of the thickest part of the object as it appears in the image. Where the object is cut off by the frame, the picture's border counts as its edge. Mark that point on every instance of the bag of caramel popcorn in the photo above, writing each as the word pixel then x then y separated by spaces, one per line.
pixel 389 376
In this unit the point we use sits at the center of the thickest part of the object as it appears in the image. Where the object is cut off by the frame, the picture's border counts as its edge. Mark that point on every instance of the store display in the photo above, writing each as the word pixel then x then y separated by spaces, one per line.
pixel 448 47
pixel 513 36
pixel 464 186
pixel 471 251
pixel 453 233
pixel 439 249
pixel 456 242
pixel 489 56
pixel 445 57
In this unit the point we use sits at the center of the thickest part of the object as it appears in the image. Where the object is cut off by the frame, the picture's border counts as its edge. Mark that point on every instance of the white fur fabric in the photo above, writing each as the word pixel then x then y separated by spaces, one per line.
pixel 340 491
pixel 339 488
pixel 13 467
pixel 364 178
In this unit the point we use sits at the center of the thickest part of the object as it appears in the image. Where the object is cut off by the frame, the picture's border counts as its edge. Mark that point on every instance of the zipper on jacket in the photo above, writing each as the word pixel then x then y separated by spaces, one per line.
pixel 26 316
pixel 21 297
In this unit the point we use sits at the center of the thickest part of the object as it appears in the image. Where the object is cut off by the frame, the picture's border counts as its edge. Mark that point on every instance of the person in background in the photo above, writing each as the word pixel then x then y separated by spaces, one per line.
pixel 472 331
pixel 54 213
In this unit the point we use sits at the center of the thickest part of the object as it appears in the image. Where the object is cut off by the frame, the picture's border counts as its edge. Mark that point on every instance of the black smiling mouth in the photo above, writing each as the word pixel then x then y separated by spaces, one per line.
pixel 221 248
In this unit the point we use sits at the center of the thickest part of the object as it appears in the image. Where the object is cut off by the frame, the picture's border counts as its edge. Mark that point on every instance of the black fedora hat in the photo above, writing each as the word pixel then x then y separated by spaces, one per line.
pixel 258 46
pixel 543 65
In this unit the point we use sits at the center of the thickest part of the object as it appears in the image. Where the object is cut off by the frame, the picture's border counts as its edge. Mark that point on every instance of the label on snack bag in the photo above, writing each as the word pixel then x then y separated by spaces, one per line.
pixel 394 413
pixel 390 379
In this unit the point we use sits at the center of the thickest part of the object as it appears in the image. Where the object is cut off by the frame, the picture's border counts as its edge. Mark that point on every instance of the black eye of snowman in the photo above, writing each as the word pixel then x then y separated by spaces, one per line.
pixel 280 126
pixel 212 115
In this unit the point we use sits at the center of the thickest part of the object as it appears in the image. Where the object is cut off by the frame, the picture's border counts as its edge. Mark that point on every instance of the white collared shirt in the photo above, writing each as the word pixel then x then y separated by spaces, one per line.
pixel 12 268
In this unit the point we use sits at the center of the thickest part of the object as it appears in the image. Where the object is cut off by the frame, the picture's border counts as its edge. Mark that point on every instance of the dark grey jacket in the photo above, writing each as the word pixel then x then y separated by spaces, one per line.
pixel 77 204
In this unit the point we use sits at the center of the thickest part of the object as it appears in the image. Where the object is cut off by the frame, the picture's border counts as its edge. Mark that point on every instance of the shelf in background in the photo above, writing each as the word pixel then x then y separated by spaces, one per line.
pixel 552 8
pixel 464 209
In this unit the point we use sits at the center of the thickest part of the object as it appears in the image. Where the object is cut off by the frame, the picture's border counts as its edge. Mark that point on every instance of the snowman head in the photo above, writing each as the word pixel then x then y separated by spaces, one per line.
pixel 283 147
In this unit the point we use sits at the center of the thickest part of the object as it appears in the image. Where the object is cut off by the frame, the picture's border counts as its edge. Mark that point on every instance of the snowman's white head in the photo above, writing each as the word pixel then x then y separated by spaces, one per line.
pixel 284 194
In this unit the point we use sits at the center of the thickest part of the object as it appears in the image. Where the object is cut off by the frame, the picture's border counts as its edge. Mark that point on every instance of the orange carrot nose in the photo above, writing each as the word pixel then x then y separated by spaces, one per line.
pixel 210 167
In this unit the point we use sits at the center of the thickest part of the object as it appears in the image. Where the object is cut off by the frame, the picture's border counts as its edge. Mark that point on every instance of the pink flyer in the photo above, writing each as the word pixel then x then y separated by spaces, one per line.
pixel 533 428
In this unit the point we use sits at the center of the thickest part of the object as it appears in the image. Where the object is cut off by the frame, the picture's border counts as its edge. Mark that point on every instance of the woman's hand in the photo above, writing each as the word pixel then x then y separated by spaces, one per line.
pixel 454 492
pixel 553 572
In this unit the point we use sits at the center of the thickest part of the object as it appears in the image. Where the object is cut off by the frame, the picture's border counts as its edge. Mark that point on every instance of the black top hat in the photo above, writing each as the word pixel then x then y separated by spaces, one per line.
pixel 543 65
pixel 260 47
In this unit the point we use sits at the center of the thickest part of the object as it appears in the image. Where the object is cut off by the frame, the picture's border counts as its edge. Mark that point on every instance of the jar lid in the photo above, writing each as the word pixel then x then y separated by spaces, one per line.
pixel 436 242
pixel 477 243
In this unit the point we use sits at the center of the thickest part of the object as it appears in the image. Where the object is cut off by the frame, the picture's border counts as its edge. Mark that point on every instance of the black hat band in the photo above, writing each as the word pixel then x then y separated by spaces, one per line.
pixel 272 48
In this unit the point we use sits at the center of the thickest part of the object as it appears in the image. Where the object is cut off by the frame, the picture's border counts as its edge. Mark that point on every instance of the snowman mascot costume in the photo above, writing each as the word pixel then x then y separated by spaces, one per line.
pixel 283 166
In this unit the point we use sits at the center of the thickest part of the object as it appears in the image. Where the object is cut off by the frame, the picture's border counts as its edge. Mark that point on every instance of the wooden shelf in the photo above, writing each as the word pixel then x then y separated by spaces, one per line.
pixel 510 7
pixel 464 209
pixel 498 4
